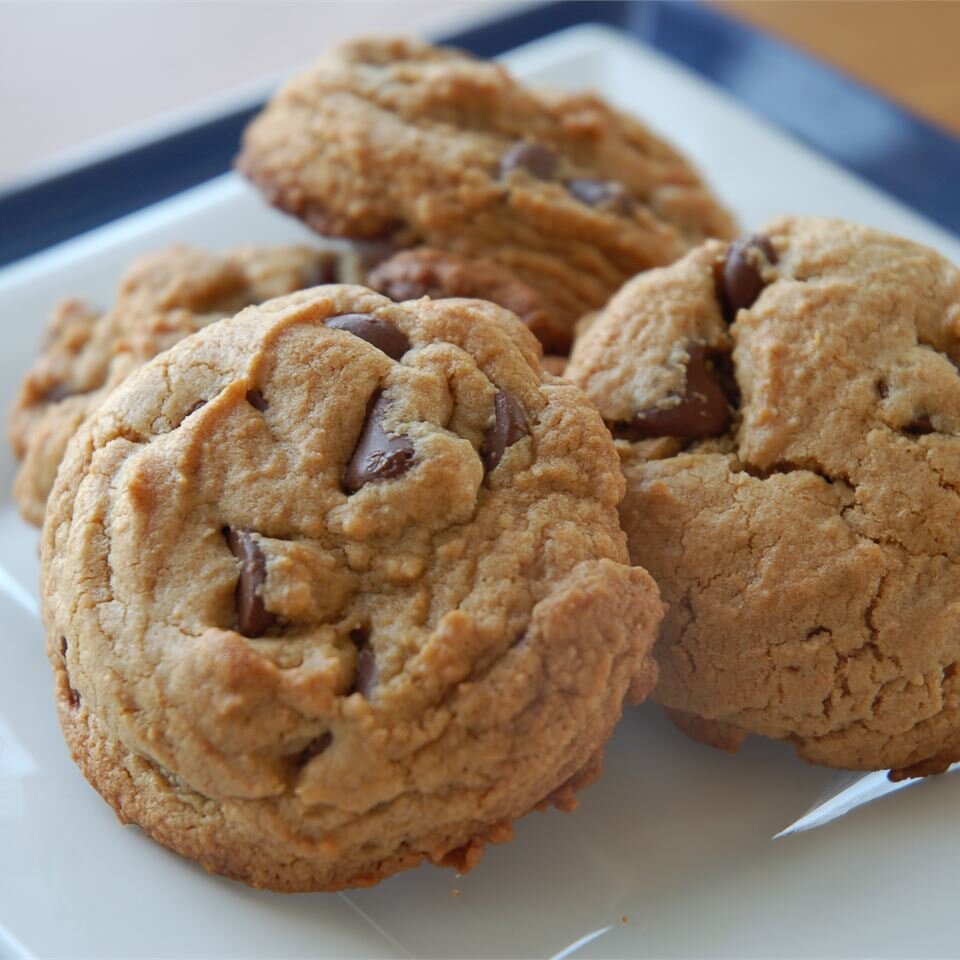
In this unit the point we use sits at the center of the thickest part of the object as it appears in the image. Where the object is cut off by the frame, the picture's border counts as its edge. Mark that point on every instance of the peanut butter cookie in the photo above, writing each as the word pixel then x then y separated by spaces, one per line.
pixel 425 272
pixel 426 145
pixel 789 415
pixel 338 585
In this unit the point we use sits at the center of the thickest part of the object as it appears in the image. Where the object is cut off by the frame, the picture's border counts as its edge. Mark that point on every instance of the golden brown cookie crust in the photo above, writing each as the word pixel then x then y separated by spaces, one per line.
pixel 808 552
pixel 398 138
pixel 436 653
pixel 162 298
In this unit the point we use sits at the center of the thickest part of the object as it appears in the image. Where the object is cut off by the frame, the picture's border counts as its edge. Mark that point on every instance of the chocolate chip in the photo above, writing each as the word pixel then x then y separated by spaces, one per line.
pixel 314 748
pixel 737 279
pixel 726 375
pixel 919 426
pixel 253 619
pixel 377 456
pixel 535 158
pixel 703 410
pixel 72 695
pixel 381 333
pixel 403 289
pixel 510 426
pixel 883 389
pixel 193 409
pixel 367 673
pixel 257 400
pixel 607 194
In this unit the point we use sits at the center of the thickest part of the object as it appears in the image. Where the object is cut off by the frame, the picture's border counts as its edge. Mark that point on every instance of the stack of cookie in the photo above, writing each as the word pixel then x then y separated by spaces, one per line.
pixel 337 573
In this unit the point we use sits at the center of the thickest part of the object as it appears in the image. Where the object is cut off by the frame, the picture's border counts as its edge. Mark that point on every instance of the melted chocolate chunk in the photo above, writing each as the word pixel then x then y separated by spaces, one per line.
pixel 606 194
pixel 703 410
pixel 510 426
pixel 253 618
pixel 314 748
pixel 257 400
pixel 367 672
pixel 377 456
pixel 919 426
pixel 737 279
pixel 378 332
pixel 539 161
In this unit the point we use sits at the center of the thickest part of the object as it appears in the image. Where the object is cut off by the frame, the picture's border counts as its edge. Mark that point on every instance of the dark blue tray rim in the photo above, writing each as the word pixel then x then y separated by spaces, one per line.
pixel 858 128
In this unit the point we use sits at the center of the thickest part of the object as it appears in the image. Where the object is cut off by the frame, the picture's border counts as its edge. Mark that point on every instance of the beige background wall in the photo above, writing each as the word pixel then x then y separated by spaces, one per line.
pixel 76 71
pixel 906 48
pixel 73 73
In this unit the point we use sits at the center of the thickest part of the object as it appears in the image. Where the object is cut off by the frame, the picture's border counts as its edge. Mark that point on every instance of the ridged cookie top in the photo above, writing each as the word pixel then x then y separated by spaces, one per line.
pixel 424 144
pixel 792 407
pixel 357 560
pixel 162 298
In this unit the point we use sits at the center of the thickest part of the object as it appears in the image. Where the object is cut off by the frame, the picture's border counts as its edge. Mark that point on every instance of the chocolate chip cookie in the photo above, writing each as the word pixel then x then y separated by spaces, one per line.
pixel 440 275
pixel 789 415
pixel 426 145
pixel 338 585
pixel 162 298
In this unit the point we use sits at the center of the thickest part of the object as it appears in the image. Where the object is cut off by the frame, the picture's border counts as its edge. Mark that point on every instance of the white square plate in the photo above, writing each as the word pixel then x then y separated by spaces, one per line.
pixel 669 854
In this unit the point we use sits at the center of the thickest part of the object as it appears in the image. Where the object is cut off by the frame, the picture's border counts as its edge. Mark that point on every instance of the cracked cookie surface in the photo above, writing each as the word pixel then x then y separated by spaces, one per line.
pixel 789 415
pixel 161 299
pixel 426 145
pixel 338 585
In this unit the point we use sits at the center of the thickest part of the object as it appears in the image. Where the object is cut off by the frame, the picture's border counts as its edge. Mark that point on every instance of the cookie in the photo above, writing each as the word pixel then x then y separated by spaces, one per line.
pixel 427 145
pixel 789 412
pixel 440 275
pixel 162 298
pixel 338 585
